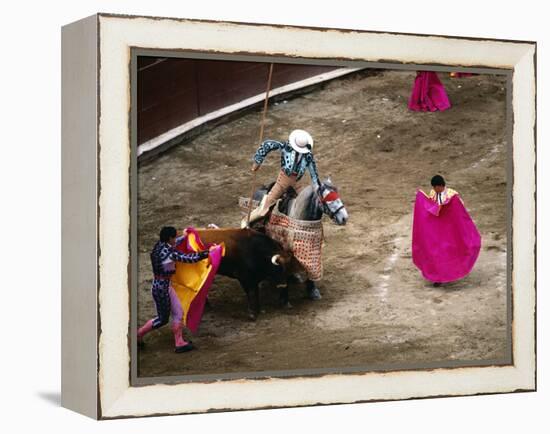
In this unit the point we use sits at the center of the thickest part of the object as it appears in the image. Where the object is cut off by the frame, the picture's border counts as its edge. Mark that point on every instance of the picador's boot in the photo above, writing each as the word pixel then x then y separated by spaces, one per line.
pixel 181 344
pixel 143 330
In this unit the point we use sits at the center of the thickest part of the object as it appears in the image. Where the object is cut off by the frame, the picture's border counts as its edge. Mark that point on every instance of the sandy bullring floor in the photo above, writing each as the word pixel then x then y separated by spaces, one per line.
pixel 376 308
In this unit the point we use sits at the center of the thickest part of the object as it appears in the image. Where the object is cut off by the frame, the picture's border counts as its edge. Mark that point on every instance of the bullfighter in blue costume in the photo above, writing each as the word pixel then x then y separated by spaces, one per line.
pixel 163 258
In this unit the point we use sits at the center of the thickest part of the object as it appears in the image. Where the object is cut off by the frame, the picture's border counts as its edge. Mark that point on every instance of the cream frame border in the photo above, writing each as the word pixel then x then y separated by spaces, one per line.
pixel 117 34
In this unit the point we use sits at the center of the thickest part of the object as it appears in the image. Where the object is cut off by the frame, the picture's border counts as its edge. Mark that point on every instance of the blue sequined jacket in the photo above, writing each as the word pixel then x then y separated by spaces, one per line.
pixel 292 162
pixel 164 255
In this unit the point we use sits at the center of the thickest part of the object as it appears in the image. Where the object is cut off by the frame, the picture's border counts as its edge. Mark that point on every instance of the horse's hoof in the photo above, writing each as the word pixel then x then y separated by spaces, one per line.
pixel 314 294
pixel 252 316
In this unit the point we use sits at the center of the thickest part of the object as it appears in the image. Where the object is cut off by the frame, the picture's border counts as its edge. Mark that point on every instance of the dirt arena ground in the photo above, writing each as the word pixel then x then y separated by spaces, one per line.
pixel 376 308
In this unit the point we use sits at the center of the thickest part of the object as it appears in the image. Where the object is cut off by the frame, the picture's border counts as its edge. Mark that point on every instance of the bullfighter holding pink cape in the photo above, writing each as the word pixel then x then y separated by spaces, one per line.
pixel 445 240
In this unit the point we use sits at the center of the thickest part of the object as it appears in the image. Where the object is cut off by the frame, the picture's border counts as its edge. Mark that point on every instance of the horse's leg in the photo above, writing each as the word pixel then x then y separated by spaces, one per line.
pixel 313 292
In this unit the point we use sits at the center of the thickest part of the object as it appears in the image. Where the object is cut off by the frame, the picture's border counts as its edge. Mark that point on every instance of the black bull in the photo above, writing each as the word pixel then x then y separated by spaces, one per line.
pixel 252 257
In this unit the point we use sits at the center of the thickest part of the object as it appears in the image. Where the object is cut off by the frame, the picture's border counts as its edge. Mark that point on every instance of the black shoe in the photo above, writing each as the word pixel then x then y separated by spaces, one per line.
pixel 185 348
pixel 437 284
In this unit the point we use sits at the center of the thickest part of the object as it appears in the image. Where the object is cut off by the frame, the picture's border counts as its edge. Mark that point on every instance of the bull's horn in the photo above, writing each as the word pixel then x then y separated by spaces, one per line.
pixel 275 259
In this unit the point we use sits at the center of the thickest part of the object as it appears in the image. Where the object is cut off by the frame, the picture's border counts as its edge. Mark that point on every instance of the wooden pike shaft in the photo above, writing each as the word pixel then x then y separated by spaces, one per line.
pixel 262 125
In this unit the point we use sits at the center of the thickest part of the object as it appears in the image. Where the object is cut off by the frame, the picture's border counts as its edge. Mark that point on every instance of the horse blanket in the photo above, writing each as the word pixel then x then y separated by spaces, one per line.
pixel 303 238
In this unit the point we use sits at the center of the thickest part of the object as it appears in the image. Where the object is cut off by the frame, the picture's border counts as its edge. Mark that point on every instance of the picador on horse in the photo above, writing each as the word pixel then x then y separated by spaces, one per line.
pixel 289 206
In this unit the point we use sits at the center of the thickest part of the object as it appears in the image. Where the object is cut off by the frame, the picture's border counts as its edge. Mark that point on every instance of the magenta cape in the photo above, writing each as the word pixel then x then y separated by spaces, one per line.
pixel 428 94
pixel 445 247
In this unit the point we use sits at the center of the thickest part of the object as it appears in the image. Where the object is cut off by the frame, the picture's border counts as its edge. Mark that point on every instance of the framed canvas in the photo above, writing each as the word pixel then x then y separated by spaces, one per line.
pixel 160 122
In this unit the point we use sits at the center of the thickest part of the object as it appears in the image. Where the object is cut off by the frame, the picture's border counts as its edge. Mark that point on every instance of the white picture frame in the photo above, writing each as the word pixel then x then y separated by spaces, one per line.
pixel 96 212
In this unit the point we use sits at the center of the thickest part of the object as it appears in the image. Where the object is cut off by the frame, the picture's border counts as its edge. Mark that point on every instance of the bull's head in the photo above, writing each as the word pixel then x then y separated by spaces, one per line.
pixel 289 265
pixel 281 259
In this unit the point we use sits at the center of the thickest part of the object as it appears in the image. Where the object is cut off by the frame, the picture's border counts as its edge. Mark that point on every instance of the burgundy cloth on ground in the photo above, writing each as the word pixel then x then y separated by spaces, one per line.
pixel 428 94
pixel 445 241
pixel 462 74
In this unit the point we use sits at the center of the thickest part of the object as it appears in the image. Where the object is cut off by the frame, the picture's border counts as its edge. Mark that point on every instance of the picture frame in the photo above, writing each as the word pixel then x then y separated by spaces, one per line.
pixel 99 170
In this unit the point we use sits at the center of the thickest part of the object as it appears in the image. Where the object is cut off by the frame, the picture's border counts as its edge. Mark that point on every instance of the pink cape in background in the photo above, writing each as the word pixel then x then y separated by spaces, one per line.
pixel 428 94
pixel 445 247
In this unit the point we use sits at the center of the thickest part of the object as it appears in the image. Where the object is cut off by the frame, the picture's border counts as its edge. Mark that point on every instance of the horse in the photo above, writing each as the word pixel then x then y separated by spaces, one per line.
pixel 310 204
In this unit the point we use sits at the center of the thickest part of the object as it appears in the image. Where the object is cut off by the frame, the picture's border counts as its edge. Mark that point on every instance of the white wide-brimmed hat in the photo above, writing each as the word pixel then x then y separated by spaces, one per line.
pixel 299 140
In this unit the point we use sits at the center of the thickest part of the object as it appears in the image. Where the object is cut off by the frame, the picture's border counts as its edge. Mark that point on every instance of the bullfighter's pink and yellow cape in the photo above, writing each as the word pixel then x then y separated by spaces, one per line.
pixel 445 240
pixel 191 282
